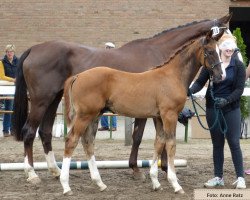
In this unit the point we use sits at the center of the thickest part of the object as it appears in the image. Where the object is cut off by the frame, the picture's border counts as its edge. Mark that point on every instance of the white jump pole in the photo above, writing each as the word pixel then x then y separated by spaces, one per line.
pixel 179 163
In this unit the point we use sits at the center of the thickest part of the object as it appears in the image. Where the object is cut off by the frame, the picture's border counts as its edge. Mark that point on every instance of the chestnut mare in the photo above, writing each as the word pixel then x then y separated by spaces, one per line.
pixel 159 93
pixel 43 69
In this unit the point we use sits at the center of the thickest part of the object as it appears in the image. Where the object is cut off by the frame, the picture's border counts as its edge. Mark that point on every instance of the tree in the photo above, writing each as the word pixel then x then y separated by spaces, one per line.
pixel 242 47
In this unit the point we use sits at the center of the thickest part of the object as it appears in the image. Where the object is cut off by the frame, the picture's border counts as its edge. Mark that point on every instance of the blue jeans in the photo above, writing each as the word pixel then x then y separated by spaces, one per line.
pixel 233 139
pixel 8 104
pixel 105 121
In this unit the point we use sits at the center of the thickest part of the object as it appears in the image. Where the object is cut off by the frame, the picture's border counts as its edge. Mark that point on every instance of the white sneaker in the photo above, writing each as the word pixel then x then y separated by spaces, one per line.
pixel 241 184
pixel 214 182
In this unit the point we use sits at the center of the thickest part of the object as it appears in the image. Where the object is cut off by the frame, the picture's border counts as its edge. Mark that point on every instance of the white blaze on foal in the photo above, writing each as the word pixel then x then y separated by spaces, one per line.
pixel 222 68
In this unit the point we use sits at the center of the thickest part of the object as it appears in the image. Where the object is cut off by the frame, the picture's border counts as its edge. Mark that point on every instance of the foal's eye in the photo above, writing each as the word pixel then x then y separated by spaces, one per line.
pixel 209 53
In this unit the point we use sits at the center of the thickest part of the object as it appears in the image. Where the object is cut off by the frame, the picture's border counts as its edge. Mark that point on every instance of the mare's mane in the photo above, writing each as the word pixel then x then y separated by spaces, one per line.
pixel 162 33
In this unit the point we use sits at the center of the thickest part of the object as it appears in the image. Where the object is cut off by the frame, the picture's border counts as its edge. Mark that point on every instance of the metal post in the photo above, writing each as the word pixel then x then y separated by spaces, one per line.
pixel 186 132
pixel 111 126
pixel 128 131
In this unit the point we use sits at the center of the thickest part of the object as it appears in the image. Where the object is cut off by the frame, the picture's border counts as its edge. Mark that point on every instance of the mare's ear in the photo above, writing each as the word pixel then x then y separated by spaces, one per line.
pixel 218 36
pixel 225 19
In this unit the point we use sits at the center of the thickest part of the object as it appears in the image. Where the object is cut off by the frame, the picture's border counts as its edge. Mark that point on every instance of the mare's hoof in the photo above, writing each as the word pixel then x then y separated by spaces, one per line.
pixel 34 180
pixel 139 176
pixel 69 193
pixel 181 191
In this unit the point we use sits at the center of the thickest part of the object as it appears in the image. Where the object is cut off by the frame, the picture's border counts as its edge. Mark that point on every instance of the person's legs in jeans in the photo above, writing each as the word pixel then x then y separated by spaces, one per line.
pixel 7 117
pixel 104 122
pixel 114 122
pixel 218 140
pixel 233 138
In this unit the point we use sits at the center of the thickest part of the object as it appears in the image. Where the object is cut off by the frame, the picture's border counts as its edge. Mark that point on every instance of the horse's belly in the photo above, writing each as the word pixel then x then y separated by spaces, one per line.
pixel 135 110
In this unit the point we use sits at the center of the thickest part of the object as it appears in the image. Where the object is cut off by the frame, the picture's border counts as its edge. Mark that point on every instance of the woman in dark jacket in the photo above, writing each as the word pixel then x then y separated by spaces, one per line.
pixel 227 95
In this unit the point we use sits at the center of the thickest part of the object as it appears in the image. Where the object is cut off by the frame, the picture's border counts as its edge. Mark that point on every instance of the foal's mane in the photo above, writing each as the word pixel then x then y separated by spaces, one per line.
pixel 179 50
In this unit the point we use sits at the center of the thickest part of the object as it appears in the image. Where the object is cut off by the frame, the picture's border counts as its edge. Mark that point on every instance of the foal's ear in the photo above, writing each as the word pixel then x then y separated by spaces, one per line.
pixel 218 36
pixel 208 36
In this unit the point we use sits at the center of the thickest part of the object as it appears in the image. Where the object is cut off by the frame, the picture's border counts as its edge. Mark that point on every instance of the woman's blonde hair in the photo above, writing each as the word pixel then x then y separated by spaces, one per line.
pixel 10 47
pixel 227 41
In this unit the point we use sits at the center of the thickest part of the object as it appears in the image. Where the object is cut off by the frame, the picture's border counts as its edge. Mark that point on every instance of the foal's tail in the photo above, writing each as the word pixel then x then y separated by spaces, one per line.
pixel 68 103
pixel 20 109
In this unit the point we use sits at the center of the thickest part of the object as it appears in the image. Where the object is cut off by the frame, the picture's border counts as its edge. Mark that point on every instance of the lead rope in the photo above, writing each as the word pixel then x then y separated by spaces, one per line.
pixel 218 112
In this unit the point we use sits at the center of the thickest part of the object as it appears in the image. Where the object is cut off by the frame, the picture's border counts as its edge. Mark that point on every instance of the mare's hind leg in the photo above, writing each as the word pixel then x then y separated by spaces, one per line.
pixel 88 145
pixel 29 133
pixel 159 128
pixel 45 132
pixel 78 128
pixel 137 137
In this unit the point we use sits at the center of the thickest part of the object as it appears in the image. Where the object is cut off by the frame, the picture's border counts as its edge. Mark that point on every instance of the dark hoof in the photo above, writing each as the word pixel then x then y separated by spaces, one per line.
pixel 139 176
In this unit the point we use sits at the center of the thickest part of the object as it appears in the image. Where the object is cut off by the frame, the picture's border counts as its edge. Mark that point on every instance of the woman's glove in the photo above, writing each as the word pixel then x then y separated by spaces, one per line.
pixel 221 102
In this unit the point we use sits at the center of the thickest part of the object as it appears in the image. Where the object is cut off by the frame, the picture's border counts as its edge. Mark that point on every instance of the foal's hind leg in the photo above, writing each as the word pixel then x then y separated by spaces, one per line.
pixel 137 138
pixel 78 128
pixel 88 145
pixel 45 132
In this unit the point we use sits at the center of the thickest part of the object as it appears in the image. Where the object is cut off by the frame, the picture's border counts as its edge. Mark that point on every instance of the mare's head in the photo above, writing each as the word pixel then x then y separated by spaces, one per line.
pixel 211 57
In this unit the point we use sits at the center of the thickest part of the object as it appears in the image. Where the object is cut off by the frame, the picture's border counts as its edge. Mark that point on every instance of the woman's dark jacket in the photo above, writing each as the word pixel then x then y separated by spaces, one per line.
pixel 237 86
pixel 10 68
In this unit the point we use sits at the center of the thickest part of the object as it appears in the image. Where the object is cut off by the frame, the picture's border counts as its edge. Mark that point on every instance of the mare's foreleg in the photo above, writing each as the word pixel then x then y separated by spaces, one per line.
pixel 159 128
pixel 79 127
pixel 45 133
pixel 88 145
pixel 137 138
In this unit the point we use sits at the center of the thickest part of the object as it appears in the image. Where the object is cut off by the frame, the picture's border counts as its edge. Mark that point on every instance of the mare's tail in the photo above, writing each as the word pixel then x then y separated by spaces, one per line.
pixel 68 103
pixel 20 109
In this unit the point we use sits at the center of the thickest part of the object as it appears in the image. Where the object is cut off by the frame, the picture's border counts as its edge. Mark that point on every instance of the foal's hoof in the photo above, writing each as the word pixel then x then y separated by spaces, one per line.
pixel 103 187
pixel 55 173
pixel 157 187
pixel 34 180
pixel 69 193
pixel 139 176
pixel 181 191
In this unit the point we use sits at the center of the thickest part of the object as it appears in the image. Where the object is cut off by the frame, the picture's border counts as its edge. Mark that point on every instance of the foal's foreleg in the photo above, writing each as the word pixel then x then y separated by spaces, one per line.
pixel 159 144
pixel 70 144
pixel 137 138
pixel 159 131
pixel 169 125
pixel 88 145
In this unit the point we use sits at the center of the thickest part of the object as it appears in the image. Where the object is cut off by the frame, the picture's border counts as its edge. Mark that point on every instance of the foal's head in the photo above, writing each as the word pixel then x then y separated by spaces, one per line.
pixel 211 57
